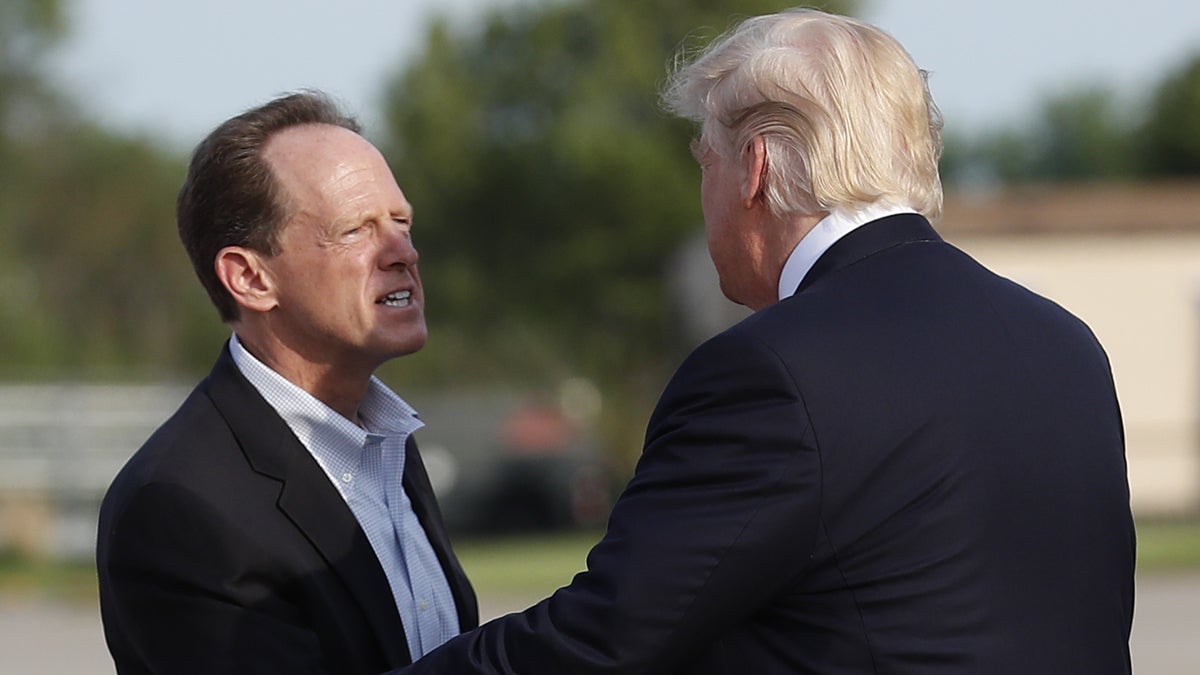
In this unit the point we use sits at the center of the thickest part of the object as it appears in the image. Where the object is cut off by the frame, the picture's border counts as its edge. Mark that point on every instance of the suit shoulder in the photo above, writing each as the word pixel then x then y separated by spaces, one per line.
pixel 750 334
pixel 178 448
pixel 767 326
pixel 750 350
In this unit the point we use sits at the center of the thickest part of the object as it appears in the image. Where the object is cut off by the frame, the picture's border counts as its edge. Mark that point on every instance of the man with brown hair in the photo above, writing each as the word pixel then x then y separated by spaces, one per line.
pixel 282 520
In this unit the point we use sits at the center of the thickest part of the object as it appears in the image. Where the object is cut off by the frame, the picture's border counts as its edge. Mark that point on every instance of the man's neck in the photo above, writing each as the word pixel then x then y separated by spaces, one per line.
pixel 339 386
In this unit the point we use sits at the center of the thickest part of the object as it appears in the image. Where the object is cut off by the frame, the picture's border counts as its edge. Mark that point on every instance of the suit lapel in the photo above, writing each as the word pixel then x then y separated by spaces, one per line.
pixel 424 504
pixel 309 500
pixel 867 240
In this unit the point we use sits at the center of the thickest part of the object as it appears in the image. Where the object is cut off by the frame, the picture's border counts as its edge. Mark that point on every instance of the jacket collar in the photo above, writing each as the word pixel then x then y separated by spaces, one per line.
pixel 867 240
pixel 424 504
pixel 308 499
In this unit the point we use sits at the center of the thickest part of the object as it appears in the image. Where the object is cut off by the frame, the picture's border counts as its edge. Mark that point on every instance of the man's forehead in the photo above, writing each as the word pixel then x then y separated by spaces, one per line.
pixel 319 158
pixel 308 143
pixel 330 173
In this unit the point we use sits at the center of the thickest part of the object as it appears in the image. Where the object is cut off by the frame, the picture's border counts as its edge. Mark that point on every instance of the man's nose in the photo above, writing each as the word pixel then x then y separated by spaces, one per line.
pixel 398 246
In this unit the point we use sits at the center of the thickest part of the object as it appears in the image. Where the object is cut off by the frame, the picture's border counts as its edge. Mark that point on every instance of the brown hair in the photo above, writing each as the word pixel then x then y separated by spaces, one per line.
pixel 230 196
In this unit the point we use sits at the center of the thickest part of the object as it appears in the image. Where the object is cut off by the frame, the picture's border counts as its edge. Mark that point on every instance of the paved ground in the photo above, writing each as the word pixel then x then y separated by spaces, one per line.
pixel 40 638
pixel 1166 626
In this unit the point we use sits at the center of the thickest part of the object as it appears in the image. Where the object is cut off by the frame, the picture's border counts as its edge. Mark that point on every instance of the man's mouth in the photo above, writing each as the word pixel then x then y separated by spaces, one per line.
pixel 397 299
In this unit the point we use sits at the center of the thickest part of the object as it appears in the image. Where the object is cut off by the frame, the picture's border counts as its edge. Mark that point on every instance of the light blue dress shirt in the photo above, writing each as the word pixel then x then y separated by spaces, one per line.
pixel 366 465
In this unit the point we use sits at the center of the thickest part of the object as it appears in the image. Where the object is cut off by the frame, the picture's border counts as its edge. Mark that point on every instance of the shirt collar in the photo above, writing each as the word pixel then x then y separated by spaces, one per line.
pixel 382 411
pixel 839 223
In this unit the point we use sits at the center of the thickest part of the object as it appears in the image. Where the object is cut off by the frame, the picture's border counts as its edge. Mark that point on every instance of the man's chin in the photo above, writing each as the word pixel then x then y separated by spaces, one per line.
pixel 409 345
pixel 731 295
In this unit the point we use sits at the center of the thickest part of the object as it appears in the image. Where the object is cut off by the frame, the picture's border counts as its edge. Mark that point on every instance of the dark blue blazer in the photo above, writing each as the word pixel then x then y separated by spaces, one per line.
pixel 912 465
pixel 224 548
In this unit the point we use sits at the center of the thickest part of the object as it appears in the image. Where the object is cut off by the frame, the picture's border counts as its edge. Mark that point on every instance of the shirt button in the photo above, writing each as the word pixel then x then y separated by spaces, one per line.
pixel 347 477
pixel 424 605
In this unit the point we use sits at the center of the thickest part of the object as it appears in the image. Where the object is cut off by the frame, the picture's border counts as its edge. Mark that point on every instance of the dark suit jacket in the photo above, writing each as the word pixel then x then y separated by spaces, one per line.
pixel 224 548
pixel 912 465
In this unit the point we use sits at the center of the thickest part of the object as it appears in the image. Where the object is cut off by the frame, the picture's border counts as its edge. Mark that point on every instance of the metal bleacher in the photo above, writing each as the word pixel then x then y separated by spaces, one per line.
pixel 60 446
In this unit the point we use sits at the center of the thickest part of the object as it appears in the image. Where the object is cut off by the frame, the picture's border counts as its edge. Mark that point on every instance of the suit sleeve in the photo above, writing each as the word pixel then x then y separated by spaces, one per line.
pixel 719 518
pixel 179 581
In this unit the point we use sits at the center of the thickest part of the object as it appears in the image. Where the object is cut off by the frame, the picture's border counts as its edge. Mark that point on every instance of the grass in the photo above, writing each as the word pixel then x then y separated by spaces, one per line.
pixel 535 565
pixel 57 580
pixel 539 564
pixel 1165 546
pixel 529 564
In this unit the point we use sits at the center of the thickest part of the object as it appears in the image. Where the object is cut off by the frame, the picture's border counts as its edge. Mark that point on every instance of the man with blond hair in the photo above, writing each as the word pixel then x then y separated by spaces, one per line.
pixel 900 463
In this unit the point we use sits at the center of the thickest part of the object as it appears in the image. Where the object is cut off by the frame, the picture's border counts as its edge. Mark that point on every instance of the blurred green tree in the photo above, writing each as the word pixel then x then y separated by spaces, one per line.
pixel 1084 134
pixel 27 29
pixel 1171 134
pixel 1080 134
pixel 92 278
pixel 1089 133
pixel 551 191
pixel 104 287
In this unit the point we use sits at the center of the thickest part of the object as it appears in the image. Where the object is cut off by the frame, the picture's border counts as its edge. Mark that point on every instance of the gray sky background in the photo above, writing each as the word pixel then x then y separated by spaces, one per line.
pixel 175 68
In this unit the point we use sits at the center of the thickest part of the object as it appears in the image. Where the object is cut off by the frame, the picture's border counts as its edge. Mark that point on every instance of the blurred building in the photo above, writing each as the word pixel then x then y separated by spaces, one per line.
pixel 60 446
pixel 497 461
pixel 1124 258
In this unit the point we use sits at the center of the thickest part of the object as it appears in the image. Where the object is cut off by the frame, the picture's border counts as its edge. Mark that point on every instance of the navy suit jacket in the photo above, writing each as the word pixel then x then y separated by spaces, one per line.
pixel 224 548
pixel 912 465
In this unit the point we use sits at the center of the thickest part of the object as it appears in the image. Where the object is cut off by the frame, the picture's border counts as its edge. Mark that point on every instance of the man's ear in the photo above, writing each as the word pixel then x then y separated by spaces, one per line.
pixel 755 164
pixel 243 273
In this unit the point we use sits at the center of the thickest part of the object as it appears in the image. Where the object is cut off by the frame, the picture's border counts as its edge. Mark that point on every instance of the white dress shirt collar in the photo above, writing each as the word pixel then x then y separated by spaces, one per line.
pixel 824 234
pixel 382 411
pixel 366 466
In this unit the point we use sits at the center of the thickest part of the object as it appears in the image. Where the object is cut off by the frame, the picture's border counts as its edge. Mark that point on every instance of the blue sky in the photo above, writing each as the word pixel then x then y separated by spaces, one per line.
pixel 175 69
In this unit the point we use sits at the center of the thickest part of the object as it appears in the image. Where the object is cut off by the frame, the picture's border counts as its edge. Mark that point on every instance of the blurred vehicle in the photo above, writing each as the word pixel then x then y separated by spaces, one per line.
pixel 499 463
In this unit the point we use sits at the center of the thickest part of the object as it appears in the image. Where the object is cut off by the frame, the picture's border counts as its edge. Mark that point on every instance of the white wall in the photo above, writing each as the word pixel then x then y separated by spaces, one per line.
pixel 1140 293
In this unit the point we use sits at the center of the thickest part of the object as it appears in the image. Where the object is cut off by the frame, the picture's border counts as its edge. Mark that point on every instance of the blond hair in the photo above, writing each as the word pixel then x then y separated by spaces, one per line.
pixel 845 113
